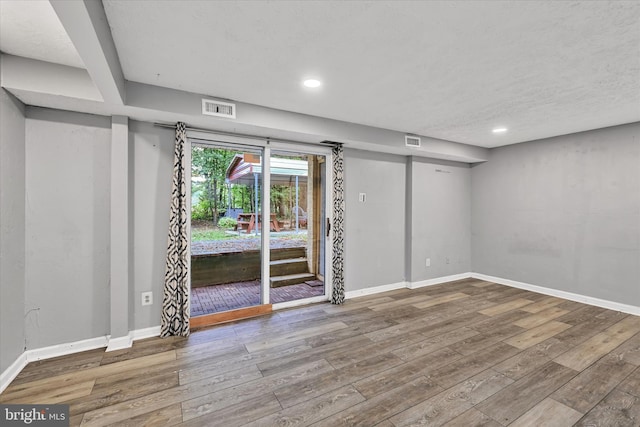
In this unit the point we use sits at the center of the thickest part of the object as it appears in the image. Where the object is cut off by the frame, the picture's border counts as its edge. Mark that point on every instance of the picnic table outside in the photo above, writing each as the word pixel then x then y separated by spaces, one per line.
pixel 248 221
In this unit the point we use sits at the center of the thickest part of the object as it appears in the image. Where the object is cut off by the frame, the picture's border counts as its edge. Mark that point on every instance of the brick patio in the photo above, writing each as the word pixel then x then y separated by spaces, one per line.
pixel 214 299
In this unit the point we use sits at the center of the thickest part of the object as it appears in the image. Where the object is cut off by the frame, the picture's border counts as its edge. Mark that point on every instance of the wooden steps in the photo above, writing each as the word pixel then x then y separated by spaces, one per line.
pixel 290 268
pixel 287 253
pixel 290 279
pixel 284 267
pixel 241 266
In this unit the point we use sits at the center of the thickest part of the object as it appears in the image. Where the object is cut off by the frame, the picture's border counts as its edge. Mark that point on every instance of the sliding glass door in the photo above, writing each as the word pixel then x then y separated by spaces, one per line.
pixel 296 243
pixel 258 226
pixel 226 246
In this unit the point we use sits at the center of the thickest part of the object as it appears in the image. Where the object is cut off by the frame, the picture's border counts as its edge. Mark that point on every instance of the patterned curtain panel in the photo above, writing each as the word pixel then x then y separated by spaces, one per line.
pixel 175 303
pixel 338 225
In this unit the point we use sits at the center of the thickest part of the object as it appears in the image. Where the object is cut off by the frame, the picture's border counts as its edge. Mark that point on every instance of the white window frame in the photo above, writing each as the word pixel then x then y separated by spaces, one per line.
pixel 235 142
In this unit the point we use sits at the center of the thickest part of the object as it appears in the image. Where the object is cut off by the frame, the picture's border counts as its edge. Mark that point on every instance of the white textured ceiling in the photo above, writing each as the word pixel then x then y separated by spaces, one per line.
pixel 31 29
pixel 450 70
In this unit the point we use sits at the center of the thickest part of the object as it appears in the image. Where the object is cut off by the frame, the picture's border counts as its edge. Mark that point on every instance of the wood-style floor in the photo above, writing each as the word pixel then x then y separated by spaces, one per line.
pixel 466 353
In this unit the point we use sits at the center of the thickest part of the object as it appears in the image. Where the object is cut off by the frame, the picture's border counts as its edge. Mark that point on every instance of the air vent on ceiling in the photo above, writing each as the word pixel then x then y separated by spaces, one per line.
pixel 218 109
pixel 412 141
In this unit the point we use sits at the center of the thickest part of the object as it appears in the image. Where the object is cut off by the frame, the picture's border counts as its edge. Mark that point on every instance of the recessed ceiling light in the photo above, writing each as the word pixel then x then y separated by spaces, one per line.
pixel 312 83
pixel 499 130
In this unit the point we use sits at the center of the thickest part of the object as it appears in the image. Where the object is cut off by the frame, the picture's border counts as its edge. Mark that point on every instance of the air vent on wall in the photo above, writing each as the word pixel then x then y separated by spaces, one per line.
pixel 218 109
pixel 412 141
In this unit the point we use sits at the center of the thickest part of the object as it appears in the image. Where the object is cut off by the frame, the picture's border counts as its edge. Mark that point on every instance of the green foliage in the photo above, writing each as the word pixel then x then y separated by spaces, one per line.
pixel 210 164
pixel 242 197
pixel 214 195
pixel 201 210
pixel 210 234
pixel 227 222
pixel 280 200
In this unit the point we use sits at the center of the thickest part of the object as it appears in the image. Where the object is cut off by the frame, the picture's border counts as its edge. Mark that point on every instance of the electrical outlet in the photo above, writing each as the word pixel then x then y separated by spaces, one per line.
pixel 147 298
pixel 446 260
pixel 428 262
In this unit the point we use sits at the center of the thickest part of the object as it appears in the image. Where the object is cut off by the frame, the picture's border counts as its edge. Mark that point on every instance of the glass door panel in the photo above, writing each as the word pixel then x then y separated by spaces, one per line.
pixel 297 226
pixel 226 255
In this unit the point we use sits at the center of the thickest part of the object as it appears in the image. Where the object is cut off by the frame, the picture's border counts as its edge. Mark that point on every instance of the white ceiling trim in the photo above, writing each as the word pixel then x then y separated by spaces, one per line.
pixel 87 26
pixel 39 77
pixel 66 88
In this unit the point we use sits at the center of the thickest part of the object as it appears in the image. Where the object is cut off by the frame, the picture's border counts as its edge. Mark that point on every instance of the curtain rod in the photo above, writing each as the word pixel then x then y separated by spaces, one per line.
pixel 244 135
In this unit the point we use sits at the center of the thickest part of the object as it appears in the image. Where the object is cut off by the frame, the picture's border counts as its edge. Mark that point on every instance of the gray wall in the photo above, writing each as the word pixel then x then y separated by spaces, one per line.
pixel 68 170
pixel 563 213
pixel 67 226
pixel 152 168
pixel 374 242
pixel 12 228
pixel 440 219
pixel 415 209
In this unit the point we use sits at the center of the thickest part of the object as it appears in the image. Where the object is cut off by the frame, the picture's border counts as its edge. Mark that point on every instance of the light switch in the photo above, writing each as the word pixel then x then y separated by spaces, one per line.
pixel 362 197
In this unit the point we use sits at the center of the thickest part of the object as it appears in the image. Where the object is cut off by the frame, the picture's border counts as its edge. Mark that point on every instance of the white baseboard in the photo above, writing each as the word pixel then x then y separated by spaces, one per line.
pixel 400 285
pixel 119 343
pixel 66 348
pixel 34 355
pixel 49 352
pixel 12 371
pixel 374 290
pixel 611 305
pixel 299 302
pixel 127 340
pixel 438 280
pixel 140 334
